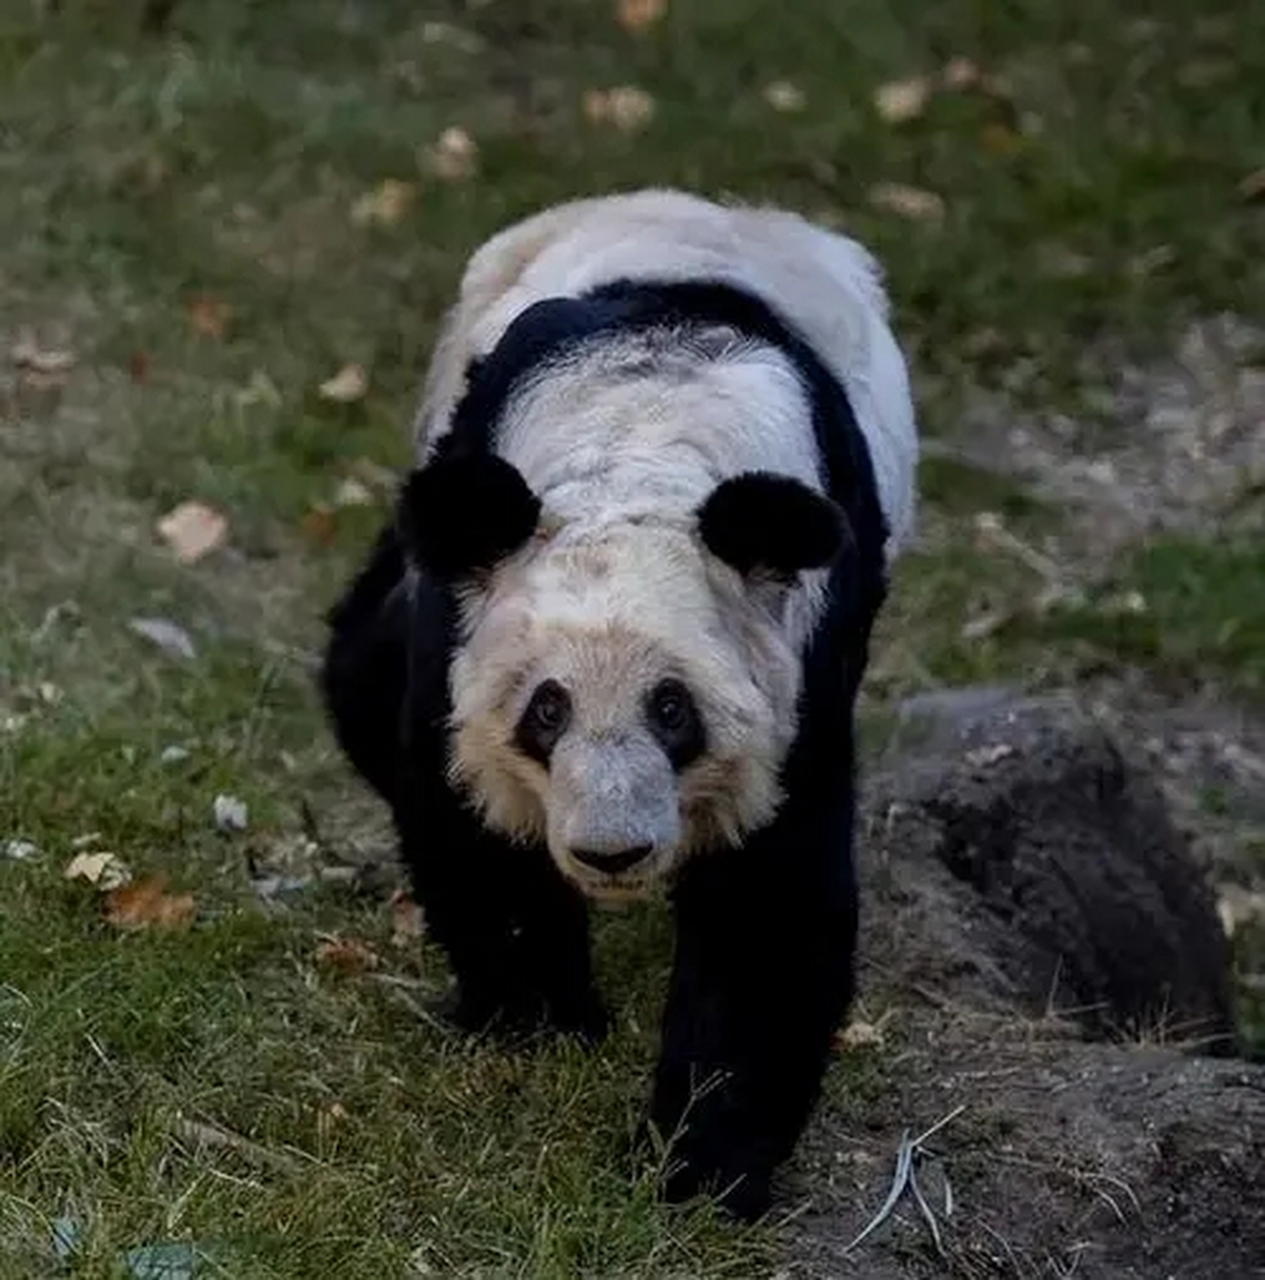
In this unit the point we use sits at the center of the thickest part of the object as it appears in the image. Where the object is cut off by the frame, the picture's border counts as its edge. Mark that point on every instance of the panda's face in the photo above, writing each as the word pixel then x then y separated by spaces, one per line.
pixel 620 699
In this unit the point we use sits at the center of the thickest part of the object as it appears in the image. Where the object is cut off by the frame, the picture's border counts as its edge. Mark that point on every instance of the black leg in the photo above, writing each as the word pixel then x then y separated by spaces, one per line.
pixel 762 978
pixel 516 934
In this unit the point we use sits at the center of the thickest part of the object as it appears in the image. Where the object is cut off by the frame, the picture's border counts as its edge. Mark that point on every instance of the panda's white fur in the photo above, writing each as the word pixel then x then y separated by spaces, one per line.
pixel 622 443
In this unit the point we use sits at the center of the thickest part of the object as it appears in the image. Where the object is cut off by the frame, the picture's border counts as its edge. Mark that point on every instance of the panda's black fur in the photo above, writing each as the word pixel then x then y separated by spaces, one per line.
pixel 763 969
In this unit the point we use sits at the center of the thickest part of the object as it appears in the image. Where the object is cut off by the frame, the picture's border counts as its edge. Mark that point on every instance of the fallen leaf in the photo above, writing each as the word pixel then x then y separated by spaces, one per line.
pixel 103 869
pixel 901 100
pixel 638 15
pixel 346 954
pixel 171 638
pixel 407 922
pixel 210 316
pixel 353 493
pixel 454 157
pixel 348 385
pixel 139 366
pixel 959 74
pixel 373 475
pixel 1253 186
pixel 782 95
pixel 626 107
pixel 86 840
pixel 19 850
pixel 174 754
pixel 193 530
pixel 26 353
pixel 385 205
pixel 859 1034
pixel 908 202
pixel 147 904
pixel 229 813
pixel 320 524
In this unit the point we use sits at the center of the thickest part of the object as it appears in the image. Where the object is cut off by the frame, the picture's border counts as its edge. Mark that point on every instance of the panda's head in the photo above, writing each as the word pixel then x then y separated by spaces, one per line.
pixel 623 692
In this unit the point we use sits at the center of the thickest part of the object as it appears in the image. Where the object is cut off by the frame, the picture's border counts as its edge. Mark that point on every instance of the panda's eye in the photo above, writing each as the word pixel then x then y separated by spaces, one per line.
pixel 544 721
pixel 675 722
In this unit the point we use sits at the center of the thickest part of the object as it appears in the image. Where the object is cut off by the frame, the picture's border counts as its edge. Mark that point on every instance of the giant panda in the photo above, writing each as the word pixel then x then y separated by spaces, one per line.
pixel 610 642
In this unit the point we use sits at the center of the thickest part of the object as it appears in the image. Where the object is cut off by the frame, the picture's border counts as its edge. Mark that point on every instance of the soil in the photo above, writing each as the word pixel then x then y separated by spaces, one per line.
pixel 1041 949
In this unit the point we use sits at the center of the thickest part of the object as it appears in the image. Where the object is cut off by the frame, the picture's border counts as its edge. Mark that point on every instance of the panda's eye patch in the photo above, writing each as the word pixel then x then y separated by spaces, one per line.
pixel 675 722
pixel 544 721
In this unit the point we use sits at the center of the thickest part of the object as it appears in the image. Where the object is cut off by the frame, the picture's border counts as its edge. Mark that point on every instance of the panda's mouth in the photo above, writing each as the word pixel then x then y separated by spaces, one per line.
pixel 636 879
pixel 613 864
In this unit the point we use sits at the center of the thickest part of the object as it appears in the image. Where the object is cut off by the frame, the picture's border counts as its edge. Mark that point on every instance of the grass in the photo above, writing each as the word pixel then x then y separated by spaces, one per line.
pixel 1091 208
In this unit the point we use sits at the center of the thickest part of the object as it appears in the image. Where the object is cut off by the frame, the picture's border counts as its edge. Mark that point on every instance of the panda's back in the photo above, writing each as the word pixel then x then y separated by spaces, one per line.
pixel 741 411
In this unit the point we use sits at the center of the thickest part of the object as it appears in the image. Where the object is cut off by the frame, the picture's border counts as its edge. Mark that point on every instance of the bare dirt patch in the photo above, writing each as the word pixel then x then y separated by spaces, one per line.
pixel 1025 889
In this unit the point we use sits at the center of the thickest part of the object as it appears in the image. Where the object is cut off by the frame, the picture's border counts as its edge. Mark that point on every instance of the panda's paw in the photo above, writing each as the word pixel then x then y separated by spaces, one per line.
pixel 584 1016
pixel 518 1020
pixel 744 1194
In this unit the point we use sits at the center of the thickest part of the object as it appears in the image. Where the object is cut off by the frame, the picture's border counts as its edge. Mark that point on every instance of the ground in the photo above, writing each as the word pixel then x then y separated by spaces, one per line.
pixel 207 218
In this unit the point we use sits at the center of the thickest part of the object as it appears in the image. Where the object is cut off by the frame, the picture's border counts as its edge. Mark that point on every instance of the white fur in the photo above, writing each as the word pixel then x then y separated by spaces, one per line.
pixel 825 284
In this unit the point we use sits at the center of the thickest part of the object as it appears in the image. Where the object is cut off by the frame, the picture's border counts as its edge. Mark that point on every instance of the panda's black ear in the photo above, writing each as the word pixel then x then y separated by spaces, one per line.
pixel 460 515
pixel 772 524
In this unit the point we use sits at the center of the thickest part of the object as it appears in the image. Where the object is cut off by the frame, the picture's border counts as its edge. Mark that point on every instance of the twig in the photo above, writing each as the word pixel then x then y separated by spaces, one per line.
pixel 905 1178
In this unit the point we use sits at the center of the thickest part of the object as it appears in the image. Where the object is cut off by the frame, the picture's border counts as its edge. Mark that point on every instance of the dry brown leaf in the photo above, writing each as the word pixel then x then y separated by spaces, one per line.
pixel 349 955
pixel 210 316
pixel 385 205
pixel 782 95
pixel 320 524
pixel 193 530
pixel 407 923
pixel 454 157
pixel 349 384
pixel 638 15
pixel 626 107
pixel 1253 186
pixel 901 100
pixel 909 202
pixel 139 366
pixel 51 362
pixel 959 74
pixel 103 869
pixel 147 904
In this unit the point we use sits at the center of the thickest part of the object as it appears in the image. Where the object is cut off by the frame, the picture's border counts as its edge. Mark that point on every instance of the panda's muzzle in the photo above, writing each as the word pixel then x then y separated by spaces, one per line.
pixel 613 863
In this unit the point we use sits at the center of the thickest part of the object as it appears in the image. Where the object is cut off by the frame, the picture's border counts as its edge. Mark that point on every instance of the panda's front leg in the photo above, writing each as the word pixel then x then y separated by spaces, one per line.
pixel 761 979
pixel 515 933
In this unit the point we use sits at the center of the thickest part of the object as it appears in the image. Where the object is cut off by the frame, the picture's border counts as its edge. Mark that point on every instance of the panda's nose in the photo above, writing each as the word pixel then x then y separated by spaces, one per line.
pixel 613 862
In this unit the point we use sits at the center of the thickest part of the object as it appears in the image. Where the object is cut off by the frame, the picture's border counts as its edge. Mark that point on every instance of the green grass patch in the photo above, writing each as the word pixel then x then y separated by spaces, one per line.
pixel 1182 608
